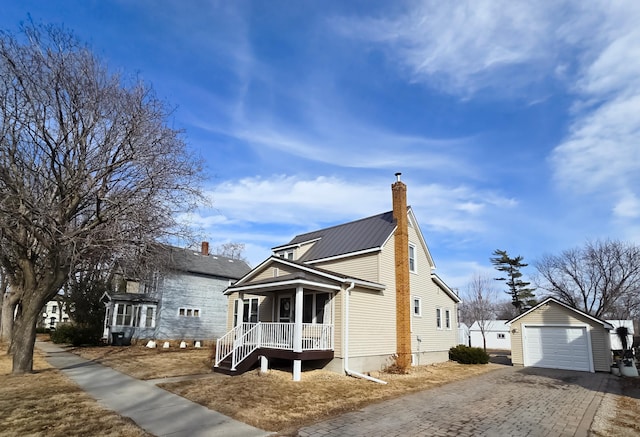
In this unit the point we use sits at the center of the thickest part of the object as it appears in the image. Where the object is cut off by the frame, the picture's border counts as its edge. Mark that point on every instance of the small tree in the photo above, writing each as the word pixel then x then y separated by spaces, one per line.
pixel 522 297
pixel 479 304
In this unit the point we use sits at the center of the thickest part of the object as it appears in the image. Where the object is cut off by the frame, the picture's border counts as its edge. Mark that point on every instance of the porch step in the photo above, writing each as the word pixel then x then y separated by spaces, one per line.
pixel 246 364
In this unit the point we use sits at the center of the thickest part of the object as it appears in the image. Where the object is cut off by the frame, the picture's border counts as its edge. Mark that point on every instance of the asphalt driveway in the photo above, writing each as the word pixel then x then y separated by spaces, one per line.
pixel 508 402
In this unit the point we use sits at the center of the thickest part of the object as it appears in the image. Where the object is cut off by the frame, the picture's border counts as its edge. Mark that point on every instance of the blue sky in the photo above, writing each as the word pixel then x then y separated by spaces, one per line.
pixel 516 125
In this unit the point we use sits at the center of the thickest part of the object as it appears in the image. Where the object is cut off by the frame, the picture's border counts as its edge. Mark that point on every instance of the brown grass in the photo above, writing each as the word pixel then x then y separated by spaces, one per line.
pixel 273 402
pixel 47 403
pixel 144 363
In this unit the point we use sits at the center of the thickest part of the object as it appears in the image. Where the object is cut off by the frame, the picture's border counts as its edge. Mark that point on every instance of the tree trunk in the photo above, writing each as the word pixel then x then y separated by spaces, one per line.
pixel 6 323
pixel 24 338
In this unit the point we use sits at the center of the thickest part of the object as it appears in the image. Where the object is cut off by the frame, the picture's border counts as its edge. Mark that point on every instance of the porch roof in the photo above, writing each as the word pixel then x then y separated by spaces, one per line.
pixel 128 297
pixel 308 276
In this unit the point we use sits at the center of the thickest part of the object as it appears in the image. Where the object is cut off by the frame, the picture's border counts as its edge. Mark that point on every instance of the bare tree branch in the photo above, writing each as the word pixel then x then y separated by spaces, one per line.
pixel 88 166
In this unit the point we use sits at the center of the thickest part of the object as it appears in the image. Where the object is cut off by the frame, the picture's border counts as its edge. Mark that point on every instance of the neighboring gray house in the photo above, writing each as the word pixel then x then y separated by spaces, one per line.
pixel 186 302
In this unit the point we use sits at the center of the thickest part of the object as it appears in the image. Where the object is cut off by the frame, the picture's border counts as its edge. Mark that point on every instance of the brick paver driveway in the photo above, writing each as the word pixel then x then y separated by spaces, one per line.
pixel 506 402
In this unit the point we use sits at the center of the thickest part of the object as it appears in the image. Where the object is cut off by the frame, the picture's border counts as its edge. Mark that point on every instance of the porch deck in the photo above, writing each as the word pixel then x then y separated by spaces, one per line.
pixel 274 340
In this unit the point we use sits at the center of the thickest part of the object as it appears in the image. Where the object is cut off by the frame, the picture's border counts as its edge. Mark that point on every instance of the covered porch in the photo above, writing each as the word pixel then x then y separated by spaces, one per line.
pixel 288 318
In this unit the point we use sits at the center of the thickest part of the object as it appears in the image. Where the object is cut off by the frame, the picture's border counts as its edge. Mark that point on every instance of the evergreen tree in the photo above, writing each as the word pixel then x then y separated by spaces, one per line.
pixel 522 297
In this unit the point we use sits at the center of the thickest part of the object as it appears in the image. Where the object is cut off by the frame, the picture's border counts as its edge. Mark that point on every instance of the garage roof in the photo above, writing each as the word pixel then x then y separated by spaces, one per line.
pixel 604 324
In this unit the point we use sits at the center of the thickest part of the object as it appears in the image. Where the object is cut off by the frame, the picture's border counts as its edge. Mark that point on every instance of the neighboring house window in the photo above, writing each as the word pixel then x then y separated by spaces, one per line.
pixel 501 336
pixel 313 307
pixel 439 318
pixel 54 309
pixel 412 258
pixel 417 306
pixel 149 315
pixel 189 312
pixel 124 315
pixel 447 319
pixel 66 319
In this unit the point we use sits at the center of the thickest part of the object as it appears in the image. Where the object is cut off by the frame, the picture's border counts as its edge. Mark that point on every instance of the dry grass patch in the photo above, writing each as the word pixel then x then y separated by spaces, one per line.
pixel 47 403
pixel 273 402
pixel 619 412
pixel 144 363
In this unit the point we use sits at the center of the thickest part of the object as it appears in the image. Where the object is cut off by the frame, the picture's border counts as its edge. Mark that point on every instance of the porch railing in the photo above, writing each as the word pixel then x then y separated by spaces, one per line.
pixel 242 340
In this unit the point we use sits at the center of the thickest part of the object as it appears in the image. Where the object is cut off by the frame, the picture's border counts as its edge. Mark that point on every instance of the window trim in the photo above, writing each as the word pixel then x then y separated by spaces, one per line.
pixel 447 319
pixel 189 312
pixel 439 318
pixel 412 259
pixel 418 300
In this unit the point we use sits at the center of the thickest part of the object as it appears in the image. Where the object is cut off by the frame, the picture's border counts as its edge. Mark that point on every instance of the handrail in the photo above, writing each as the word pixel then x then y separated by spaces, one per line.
pixel 245 338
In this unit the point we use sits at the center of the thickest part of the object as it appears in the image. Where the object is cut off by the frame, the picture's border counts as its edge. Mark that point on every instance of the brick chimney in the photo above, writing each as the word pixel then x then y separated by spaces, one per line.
pixel 205 248
pixel 403 291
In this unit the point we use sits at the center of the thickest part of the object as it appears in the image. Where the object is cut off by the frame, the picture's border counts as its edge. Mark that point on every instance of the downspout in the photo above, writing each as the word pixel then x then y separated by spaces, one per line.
pixel 346 341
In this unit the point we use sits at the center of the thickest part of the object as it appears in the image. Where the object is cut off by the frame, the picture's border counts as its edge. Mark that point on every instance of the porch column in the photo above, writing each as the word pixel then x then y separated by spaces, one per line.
pixel 297 330
pixel 240 315
pixel 297 334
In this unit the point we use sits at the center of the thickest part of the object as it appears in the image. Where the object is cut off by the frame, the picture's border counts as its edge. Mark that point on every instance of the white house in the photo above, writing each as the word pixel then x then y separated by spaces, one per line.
pixel 463 334
pixel 496 333
pixel 53 313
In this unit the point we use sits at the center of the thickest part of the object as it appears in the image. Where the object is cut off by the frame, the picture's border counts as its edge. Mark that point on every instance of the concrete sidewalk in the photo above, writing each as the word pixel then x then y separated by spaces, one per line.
pixel 156 410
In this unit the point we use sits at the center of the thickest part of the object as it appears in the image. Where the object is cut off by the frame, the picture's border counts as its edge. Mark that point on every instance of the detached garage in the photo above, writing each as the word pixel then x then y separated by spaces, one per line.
pixel 557 336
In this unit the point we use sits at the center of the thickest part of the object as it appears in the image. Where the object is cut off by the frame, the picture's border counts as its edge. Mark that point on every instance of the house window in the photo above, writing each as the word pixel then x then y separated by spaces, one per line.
pixel 287 254
pixel 417 306
pixel 250 310
pixel 439 318
pixel 149 315
pixel 189 312
pixel 447 319
pixel 236 305
pixel 501 336
pixel 313 307
pixel 54 309
pixel 412 258
pixel 124 314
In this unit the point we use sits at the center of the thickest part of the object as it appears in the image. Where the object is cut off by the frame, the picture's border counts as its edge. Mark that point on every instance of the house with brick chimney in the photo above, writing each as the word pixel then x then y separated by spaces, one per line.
pixel 353 298
pixel 183 302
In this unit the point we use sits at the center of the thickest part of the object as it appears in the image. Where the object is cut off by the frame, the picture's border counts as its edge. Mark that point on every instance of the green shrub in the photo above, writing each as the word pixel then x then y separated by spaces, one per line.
pixel 468 355
pixel 76 335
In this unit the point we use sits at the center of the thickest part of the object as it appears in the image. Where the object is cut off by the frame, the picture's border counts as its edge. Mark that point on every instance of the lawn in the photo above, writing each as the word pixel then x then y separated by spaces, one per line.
pixel 269 401
pixel 46 403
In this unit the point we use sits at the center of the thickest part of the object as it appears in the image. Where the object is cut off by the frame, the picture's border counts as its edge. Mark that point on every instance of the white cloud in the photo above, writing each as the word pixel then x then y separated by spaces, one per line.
pixel 628 206
pixel 463 46
pixel 600 155
pixel 311 203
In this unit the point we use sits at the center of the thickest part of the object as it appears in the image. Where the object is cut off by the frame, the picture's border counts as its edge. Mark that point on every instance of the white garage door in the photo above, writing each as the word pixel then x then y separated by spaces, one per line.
pixel 557 347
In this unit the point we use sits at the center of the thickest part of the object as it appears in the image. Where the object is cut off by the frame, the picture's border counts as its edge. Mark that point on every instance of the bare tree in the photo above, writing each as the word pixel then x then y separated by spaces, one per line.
pixel 231 250
pixel 602 278
pixel 88 165
pixel 479 304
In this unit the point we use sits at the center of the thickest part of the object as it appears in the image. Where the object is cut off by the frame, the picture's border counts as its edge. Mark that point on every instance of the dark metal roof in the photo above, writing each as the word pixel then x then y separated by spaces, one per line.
pixel 192 261
pixel 356 236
